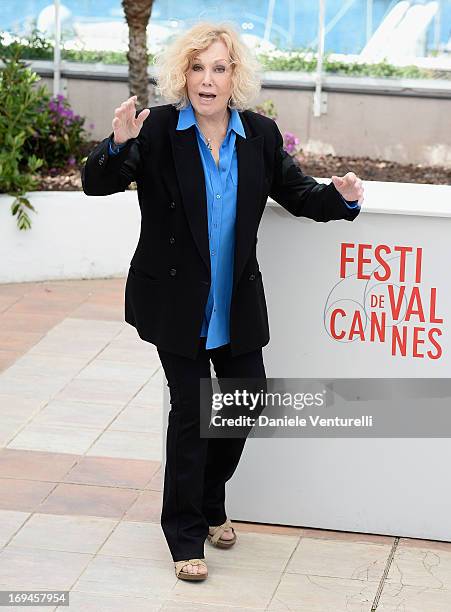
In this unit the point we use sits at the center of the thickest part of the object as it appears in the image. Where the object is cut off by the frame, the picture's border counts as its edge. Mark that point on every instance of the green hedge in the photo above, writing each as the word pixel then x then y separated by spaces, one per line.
pixel 37 47
pixel 303 62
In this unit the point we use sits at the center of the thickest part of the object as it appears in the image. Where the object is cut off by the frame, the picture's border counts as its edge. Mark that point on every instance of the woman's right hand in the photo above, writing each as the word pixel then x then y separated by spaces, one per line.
pixel 125 125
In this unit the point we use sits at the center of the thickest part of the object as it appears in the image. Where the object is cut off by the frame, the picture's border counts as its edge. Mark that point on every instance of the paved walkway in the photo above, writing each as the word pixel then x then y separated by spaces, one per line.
pixel 80 484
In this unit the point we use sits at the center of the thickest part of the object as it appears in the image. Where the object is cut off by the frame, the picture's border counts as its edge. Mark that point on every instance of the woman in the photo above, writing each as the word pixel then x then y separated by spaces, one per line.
pixel 204 167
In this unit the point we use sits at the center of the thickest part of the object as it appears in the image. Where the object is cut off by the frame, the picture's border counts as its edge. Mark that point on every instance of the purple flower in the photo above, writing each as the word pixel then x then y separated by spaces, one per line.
pixel 91 126
pixel 291 143
pixel 71 160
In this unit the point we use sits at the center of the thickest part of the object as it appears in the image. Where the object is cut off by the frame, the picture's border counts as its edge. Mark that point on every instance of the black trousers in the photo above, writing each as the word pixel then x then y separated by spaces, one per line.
pixel 197 468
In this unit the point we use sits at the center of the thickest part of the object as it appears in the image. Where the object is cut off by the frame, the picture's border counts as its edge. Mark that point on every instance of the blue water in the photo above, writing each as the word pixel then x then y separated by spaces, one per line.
pixel 294 21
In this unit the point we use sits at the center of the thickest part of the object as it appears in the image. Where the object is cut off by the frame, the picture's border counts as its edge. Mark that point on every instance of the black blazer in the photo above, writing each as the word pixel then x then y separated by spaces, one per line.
pixel 169 277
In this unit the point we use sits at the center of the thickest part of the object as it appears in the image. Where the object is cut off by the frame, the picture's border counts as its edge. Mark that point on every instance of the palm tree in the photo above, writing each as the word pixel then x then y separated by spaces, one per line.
pixel 137 14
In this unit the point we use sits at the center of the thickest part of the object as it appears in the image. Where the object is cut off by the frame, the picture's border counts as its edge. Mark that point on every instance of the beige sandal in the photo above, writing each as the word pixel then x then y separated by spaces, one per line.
pixel 187 575
pixel 215 537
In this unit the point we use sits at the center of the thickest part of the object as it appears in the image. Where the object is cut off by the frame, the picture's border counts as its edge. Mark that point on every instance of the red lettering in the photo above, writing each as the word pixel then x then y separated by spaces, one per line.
pixel 433 318
pixel 376 301
pixel 418 265
pixel 396 340
pixel 396 308
pixel 332 324
pixel 415 297
pixel 382 262
pixel 417 341
pixel 356 326
pixel 362 260
pixel 378 325
pixel 402 261
pixel 438 354
pixel 344 259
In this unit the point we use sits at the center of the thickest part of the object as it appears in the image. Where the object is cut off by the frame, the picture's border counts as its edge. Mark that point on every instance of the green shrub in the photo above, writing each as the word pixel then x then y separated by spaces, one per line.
pixel 36 132
pixel 19 116
pixel 60 137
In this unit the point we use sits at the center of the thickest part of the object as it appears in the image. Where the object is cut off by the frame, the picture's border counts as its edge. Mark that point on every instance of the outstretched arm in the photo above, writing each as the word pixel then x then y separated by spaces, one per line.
pixel 303 196
pixel 108 171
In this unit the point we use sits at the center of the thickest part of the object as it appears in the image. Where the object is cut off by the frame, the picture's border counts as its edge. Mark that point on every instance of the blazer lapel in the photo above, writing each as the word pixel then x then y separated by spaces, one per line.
pixel 190 174
pixel 250 183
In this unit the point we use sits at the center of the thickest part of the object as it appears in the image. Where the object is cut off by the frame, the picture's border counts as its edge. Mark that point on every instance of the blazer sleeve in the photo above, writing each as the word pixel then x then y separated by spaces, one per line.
pixel 105 173
pixel 302 195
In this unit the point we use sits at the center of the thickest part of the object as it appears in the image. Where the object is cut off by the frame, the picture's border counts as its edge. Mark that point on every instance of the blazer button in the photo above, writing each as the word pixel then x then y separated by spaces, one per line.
pixel 172 239
pixel 172 205
pixel 252 277
pixel 172 271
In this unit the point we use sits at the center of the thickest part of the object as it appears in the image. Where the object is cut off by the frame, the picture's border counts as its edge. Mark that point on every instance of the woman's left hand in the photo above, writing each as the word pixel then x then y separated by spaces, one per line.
pixel 349 186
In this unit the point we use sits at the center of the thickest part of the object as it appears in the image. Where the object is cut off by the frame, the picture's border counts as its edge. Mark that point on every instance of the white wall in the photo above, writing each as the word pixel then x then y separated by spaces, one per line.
pixel 78 236
pixel 72 236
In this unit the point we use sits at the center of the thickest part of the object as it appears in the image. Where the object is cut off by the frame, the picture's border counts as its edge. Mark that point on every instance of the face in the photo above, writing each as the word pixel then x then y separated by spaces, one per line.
pixel 209 80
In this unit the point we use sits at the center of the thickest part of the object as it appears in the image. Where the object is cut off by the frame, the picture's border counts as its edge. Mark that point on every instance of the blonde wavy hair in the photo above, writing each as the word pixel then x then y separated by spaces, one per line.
pixel 173 63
